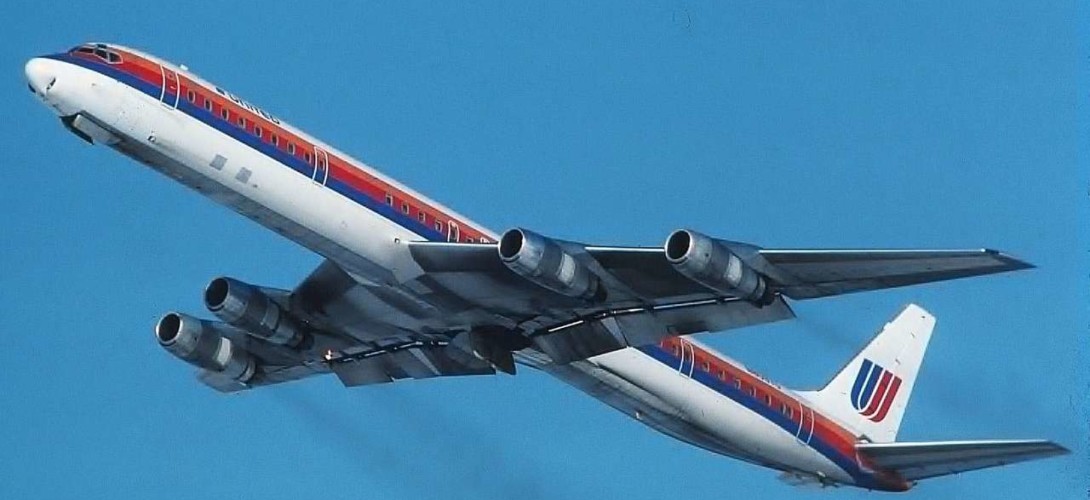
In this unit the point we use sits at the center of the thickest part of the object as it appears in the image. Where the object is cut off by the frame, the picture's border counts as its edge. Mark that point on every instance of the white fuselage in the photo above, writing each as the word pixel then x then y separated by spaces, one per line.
pixel 650 387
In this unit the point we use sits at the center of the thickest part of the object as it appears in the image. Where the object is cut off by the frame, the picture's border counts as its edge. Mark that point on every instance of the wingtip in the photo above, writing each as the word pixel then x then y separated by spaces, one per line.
pixel 1058 448
pixel 1013 263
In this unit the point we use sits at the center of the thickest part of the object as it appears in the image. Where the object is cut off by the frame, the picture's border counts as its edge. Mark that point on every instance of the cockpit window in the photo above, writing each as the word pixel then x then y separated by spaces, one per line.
pixel 99 50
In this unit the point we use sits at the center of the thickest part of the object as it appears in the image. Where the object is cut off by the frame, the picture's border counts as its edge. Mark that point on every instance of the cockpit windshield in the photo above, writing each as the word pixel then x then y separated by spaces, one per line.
pixel 99 50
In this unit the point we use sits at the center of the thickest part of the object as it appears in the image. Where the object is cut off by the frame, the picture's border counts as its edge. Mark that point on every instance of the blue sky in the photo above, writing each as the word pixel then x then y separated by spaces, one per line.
pixel 786 124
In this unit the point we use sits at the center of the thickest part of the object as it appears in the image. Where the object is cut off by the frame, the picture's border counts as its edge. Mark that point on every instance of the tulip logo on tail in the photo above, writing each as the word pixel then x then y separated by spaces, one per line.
pixel 874 391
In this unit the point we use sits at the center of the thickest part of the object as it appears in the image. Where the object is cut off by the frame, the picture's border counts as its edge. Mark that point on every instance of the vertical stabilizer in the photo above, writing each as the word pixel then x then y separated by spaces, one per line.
pixel 871 393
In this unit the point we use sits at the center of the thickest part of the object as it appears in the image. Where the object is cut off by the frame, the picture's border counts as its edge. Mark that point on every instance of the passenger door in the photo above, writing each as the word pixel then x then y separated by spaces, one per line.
pixel 688 358
pixel 171 89
pixel 453 233
pixel 321 166
pixel 806 425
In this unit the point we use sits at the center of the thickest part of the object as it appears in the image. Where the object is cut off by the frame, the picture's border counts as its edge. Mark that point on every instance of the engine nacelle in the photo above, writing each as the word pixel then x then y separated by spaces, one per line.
pixel 709 262
pixel 246 307
pixel 542 261
pixel 198 343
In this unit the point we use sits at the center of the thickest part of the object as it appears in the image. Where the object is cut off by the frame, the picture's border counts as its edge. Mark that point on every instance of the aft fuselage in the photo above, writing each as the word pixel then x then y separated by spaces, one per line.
pixel 246 158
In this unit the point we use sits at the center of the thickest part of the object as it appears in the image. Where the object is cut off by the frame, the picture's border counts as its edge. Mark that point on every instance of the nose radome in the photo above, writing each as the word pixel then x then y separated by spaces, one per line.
pixel 40 74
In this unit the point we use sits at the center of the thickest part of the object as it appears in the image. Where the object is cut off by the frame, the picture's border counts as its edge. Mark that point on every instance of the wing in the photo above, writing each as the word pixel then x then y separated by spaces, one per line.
pixel 916 461
pixel 466 309
pixel 746 283
pixel 645 275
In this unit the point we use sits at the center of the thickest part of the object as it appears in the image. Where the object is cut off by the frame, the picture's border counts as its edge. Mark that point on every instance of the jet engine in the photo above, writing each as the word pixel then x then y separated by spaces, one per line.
pixel 248 308
pixel 711 263
pixel 198 343
pixel 543 261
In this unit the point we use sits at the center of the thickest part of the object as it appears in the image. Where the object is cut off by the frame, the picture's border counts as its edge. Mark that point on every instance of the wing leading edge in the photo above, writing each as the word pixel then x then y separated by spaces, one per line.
pixel 821 273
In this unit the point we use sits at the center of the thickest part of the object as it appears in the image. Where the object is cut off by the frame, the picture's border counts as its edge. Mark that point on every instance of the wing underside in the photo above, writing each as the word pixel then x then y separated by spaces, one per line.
pixel 468 309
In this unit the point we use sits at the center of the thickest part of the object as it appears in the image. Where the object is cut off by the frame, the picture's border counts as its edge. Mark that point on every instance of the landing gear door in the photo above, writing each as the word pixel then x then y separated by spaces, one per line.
pixel 171 89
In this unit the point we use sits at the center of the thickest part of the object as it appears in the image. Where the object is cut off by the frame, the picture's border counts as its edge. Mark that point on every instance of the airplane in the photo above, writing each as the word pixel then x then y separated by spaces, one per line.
pixel 409 289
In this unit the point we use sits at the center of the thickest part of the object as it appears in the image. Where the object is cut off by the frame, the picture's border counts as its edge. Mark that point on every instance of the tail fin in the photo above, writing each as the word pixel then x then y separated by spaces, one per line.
pixel 871 393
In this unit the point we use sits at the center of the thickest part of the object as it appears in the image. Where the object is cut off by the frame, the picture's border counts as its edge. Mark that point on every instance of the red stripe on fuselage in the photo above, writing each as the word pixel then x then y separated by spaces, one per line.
pixel 832 433
pixel 341 169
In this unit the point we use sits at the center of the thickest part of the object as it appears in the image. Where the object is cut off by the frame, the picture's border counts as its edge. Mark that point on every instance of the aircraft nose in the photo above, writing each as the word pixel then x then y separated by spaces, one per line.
pixel 40 75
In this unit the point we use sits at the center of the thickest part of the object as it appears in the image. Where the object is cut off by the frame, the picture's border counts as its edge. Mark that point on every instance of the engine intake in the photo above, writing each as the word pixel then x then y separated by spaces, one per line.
pixel 711 263
pixel 543 261
pixel 196 342
pixel 248 308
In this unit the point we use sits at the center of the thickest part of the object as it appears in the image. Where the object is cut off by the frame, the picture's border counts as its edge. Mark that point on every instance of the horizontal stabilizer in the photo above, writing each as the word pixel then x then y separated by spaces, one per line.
pixel 916 461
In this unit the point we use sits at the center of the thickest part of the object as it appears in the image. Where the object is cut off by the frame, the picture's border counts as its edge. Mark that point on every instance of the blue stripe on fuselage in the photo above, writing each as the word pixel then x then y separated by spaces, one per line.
pixel 299 166
pixel 752 403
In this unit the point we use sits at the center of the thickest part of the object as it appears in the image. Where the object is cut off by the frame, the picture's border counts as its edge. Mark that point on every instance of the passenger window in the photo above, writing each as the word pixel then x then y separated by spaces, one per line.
pixel 405 208
pixel 242 121
pixel 737 384
pixel 224 114
pixel 421 216
pixel 768 400
pixel 291 148
pixel 705 366
pixel 207 104
pixel 483 239
pixel 389 199
pixel 191 96
pixel 438 226
pixel 722 375
pixel 753 392
pixel 306 156
pixel 258 131
pixel 275 140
